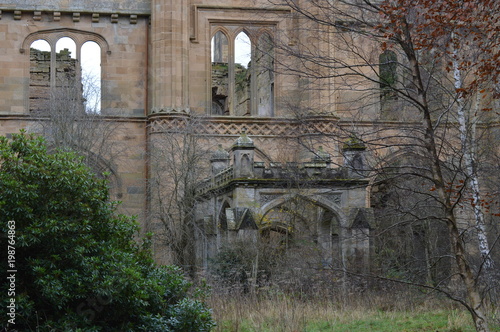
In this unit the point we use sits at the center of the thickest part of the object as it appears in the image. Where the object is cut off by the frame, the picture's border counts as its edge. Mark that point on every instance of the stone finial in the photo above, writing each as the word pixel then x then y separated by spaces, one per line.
pixel 243 141
pixel 220 154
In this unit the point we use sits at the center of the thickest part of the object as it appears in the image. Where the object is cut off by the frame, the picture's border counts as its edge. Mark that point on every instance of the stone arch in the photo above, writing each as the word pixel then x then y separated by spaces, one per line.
pixel 318 200
pixel 249 32
pixel 265 30
pixel 221 215
pixel 246 167
pixel 103 169
pixel 318 231
pixel 53 35
pixel 259 154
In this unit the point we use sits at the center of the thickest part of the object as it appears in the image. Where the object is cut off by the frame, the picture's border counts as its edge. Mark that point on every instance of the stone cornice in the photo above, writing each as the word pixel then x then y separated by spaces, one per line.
pixel 55 15
pixel 284 184
pixel 28 117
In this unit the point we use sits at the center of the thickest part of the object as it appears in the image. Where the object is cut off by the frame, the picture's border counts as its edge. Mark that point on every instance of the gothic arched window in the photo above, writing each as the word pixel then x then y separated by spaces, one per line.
pixel 388 65
pixel 242 77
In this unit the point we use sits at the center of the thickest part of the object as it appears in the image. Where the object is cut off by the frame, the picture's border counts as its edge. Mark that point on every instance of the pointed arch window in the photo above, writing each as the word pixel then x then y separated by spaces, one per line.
pixel 242 75
pixel 388 76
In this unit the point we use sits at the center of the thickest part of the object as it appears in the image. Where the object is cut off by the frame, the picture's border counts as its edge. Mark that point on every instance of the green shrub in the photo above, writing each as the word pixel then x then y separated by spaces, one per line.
pixel 78 266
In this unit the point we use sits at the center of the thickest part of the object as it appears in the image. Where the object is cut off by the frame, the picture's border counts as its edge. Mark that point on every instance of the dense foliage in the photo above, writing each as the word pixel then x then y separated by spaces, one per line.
pixel 78 266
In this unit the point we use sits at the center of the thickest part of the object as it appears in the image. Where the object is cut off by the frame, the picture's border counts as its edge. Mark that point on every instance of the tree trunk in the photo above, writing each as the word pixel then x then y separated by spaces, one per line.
pixel 467 140
pixel 474 303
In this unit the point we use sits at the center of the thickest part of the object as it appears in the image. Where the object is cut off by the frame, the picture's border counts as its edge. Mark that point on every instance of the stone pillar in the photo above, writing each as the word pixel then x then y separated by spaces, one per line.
pixel 243 152
pixel 354 157
pixel 168 74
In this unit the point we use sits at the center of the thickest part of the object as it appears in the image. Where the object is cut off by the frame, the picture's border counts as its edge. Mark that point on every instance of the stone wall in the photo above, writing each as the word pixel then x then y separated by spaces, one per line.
pixel 100 6
pixel 40 81
pixel 155 62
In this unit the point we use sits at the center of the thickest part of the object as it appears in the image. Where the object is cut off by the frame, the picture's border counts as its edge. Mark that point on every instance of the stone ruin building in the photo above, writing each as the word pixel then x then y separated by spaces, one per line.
pixel 311 201
pixel 164 63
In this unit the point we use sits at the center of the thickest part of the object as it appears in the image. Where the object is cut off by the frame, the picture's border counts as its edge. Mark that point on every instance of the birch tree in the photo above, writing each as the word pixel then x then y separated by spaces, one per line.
pixel 438 86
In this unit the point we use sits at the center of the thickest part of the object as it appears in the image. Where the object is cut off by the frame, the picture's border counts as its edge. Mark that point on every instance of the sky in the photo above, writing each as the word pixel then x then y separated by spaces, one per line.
pixel 242 49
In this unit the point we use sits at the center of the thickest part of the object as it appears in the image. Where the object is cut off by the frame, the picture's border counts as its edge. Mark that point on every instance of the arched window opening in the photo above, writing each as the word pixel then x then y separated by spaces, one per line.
pixel 242 74
pixel 242 71
pixel 242 50
pixel 220 74
pixel 39 90
pixel 91 76
pixel 66 96
pixel 66 65
pixel 329 239
pixel 65 75
pixel 388 65
pixel 265 76
pixel 246 167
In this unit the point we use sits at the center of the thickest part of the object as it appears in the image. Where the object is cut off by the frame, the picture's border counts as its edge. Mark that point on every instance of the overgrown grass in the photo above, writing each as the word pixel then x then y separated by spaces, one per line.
pixel 362 312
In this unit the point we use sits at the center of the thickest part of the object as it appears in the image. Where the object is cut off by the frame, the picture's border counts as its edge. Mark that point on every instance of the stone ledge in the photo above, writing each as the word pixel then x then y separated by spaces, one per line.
pixel 96 16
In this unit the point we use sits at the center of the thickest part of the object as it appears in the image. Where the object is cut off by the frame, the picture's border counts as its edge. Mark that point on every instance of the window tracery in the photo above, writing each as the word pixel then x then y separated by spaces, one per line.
pixel 242 71
pixel 64 64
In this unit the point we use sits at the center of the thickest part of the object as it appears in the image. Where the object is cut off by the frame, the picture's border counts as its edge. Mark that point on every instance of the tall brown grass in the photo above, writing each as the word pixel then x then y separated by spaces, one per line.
pixel 282 312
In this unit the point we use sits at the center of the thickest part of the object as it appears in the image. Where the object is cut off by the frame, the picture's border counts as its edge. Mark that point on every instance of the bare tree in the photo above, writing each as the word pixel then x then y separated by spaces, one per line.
pixel 70 118
pixel 390 60
pixel 178 164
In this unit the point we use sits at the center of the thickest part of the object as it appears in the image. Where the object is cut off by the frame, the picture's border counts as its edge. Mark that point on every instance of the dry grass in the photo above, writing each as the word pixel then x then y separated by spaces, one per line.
pixel 362 312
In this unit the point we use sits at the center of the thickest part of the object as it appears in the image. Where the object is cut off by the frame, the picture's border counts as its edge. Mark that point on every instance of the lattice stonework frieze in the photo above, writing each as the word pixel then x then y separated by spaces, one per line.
pixel 226 127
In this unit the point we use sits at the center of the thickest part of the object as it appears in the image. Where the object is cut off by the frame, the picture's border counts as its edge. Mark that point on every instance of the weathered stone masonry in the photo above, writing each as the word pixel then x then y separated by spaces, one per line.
pixel 155 65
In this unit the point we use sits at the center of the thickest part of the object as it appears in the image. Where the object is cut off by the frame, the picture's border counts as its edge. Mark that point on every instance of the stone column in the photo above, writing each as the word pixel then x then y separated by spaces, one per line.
pixel 243 153
pixel 168 82
pixel 354 157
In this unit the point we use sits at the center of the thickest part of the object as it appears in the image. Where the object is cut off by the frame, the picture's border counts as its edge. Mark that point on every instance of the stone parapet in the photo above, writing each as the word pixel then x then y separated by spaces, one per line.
pixel 138 7
pixel 55 16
